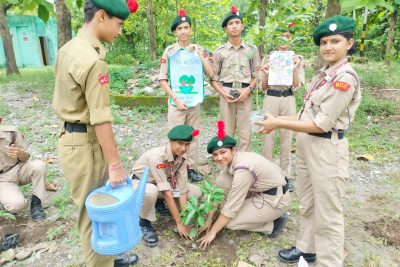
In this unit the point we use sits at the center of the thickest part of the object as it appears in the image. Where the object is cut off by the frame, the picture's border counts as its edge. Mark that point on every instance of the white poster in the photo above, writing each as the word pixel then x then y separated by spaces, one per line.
pixel 281 68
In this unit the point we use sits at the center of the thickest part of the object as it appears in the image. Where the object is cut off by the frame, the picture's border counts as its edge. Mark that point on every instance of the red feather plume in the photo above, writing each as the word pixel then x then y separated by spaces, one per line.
pixel 132 5
pixel 221 130
pixel 195 133
pixel 234 9
pixel 182 13
pixel 291 24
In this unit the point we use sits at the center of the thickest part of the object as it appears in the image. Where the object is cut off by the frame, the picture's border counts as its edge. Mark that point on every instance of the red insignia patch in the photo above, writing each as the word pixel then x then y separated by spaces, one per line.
pixel 104 79
pixel 341 86
pixel 163 60
pixel 161 166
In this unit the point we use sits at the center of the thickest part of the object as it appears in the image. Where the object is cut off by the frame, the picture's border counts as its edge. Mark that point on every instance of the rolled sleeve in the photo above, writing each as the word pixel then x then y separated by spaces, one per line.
pixel 240 187
pixel 335 103
pixel 163 75
pixel 159 175
pixel 97 93
pixel 216 65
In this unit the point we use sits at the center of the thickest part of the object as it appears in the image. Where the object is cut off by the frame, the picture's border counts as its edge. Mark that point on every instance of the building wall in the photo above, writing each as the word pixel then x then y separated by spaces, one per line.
pixel 26 32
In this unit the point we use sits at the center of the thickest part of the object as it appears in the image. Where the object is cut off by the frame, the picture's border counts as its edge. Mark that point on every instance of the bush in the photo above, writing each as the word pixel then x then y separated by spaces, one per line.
pixel 118 77
pixel 120 59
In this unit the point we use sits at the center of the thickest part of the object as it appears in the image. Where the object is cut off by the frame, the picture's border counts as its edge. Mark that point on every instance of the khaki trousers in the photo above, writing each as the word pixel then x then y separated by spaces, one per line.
pixel 237 116
pixel 24 173
pixel 151 195
pixel 322 168
pixel 257 213
pixel 85 167
pixel 279 106
pixel 190 117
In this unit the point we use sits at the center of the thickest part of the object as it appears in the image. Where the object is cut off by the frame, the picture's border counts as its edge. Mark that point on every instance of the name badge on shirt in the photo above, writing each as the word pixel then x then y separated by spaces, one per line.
pixel 176 192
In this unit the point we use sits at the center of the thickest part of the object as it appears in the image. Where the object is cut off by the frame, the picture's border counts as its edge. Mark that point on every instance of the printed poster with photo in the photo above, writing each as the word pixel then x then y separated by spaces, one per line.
pixel 186 77
pixel 281 68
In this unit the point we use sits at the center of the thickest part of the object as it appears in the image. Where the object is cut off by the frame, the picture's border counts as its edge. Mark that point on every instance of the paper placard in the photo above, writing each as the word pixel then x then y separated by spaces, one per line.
pixel 281 68
pixel 186 77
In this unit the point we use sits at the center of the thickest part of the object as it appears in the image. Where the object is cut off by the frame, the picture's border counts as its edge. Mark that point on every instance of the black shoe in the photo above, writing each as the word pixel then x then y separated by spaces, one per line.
pixel 293 255
pixel 194 176
pixel 150 237
pixel 291 185
pixel 9 241
pixel 278 225
pixel 162 208
pixel 125 259
pixel 37 212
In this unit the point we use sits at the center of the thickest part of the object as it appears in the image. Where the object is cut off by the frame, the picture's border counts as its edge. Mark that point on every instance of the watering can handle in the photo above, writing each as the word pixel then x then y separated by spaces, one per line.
pixel 127 180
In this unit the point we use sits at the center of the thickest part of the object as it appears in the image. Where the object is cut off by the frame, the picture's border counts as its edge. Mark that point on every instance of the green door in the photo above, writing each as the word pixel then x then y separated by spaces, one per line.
pixel 28 55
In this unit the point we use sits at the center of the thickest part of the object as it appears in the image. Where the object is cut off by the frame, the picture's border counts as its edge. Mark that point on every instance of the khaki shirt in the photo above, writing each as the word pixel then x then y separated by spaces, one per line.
pixel 82 90
pixel 170 50
pixel 333 105
pixel 232 64
pixel 160 160
pixel 251 173
pixel 7 162
pixel 300 74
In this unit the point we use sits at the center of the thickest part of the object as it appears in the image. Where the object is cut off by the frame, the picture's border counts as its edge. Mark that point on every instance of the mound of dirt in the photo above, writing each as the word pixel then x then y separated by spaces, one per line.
pixel 387 228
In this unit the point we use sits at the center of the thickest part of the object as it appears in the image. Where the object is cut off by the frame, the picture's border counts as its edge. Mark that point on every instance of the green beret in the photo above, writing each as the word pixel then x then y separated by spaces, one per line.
pixel 332 26
pixel 215 143
pixel 181 18
pixel 116 8
pixel 182 133
pixel 232 14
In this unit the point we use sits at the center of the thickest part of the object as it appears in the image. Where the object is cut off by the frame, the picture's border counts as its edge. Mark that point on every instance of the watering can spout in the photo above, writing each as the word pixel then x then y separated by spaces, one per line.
pixel 139 193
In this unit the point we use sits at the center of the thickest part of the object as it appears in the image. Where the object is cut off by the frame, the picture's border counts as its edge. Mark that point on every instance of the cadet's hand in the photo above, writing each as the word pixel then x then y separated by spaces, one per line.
pixel 296 61
pixel 206 227
pixel 183 230
pixel 194 48
pixel 14 151
pixel 265 68
pixel 270 124
pixel 227 97
pixel 207 239
pixel 116 175
pixel 180 104
pixel 243 95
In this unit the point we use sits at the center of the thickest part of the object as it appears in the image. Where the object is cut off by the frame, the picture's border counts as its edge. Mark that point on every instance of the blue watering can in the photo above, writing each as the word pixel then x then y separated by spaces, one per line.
pixel 115 216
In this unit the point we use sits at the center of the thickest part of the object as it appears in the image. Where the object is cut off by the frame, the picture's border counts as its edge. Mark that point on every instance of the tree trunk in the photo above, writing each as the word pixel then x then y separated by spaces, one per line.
pixel 11 63
pixel 150 26
pixel 390 41
pixel 332 9
pixel 262 11
pixel 64 28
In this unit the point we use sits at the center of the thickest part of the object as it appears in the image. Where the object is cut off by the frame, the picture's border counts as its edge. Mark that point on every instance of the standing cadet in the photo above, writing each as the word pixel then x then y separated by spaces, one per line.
pixel 181 114
pixel 330 104
pixel 279 100
pixel 168 180
pixel 16 169
pixel 256 191
pixel 86 147
pixel 235 65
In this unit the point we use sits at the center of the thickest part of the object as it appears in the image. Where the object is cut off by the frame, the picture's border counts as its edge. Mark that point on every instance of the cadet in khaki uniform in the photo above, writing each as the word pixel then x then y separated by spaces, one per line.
pixel 279 100
pixel 16 169
pixel 181 114
pixel 235 66
pixel 86 147
pixel 256 191
pixel 331 102
pixel 167 180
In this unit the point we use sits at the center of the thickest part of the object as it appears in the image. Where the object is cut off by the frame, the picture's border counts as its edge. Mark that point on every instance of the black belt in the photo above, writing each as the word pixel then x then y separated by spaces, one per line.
pixel 230 85
pixel 328 135
pixel 280 93
pixel 274 190
pixel 75 127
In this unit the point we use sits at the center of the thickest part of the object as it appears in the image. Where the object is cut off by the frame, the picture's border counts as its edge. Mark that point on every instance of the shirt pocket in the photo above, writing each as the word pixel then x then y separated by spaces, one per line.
pixel 245 67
